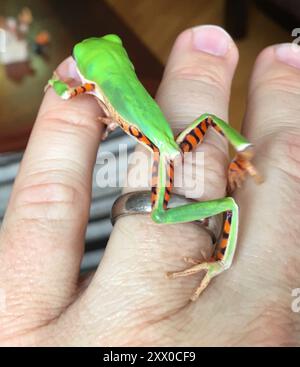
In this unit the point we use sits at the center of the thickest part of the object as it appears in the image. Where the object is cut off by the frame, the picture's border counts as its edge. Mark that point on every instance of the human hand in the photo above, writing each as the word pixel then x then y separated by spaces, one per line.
pixel 129 301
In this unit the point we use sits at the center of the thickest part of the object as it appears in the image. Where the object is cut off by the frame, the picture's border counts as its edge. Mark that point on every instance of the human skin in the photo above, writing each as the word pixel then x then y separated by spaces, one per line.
pixel 129 301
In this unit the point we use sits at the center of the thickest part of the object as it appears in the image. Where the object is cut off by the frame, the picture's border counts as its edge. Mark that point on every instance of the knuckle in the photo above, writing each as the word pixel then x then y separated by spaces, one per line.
pixel 209 77
pixel 286 83
pixel 271 76
pixel 65 119
pixel 53 200
pixel 282 150
pixel 215 178
pixel 48 192
pixel 203 174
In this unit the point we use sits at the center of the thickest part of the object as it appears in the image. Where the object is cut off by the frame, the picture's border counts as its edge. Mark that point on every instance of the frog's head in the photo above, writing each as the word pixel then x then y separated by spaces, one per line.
pixel 102 50
pixel 113 38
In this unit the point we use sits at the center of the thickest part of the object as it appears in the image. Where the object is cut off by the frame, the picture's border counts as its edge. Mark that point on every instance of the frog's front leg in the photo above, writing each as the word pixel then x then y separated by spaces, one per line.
pixel 240 165
pixel 67 92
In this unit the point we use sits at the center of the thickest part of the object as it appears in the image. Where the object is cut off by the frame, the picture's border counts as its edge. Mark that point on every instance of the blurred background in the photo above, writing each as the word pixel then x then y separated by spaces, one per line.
pixel 43 34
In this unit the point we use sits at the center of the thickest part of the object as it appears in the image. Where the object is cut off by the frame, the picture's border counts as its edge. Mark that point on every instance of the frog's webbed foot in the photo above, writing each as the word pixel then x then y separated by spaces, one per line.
pixel 239 167
pixel 212 269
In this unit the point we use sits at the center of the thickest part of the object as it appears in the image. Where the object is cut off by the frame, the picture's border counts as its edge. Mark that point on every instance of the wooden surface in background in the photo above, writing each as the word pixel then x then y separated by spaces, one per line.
pixel 158 23
pixel 154 24
pixel 68 22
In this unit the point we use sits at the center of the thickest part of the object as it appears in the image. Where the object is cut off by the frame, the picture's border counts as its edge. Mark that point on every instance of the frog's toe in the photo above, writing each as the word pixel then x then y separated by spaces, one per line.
pixel 238 168
pixel 191 260
pixel 196 268
pixel 235 179
pixel 212 269
pixel 252 171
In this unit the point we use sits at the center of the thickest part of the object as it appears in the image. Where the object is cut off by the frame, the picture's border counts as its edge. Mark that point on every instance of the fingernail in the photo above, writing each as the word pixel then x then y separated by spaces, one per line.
pixel 211 39
pixel 289 53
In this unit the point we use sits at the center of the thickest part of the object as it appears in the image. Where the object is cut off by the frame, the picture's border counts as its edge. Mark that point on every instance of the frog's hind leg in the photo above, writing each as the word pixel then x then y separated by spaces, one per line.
pixel 222 257
pixel 161 190
pixel 169 178
pixel 225 248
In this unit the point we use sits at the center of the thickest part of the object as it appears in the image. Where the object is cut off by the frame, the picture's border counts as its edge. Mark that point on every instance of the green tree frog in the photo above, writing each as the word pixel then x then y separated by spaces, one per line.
pixel 107 73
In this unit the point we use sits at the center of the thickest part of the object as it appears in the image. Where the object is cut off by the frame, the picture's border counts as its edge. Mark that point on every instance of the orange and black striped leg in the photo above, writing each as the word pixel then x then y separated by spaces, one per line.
pixel 220 261
pixel 222 244
pixel 154 180
pixel 81 89
pixel 169 180
pixel 190 138
pixel 169 183
pixel 194 135
pixel 63 89
pixel 155 185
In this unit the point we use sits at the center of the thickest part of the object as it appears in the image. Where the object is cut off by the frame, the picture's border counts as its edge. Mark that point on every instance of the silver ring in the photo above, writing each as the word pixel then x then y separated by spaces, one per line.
pixel 139 203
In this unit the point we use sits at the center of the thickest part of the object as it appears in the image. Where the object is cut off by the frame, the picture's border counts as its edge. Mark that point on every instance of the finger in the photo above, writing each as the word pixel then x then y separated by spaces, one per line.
pixel 271 123
pixel 274 84
pixel 267 260
pixel 42 237
pixel 197 80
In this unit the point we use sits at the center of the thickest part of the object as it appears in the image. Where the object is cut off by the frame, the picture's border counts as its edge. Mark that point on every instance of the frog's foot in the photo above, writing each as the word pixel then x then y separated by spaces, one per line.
pixel 63 89
pixel 239 167
pixel 51 81
pixel 212 269
pixel 235 177
pixel 111 125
